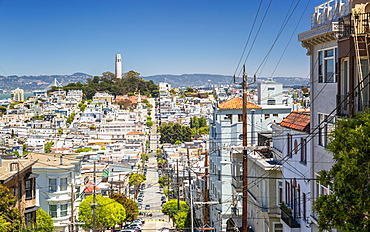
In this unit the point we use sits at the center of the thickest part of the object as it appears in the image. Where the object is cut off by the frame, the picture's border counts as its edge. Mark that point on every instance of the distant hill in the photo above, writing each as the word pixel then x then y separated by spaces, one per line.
pixel 195 80
pixel 30 83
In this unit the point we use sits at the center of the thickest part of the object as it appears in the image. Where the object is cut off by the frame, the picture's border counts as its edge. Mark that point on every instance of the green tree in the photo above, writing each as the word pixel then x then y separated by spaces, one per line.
pixel 161 162
pixel 144 157
pixel 189 90
pixel 347 206
pixel 164 180
pixel 149 123
pixel 10 214
pixel 4 224
pixel 108 213
pixel 48 146
pixel 136 180
pixel 202 121
pixel 194 122
pixel 182 219
pixel 132 210
pixel 158 152
pixel 171 132
pixel 82 106
pixel 203 130
pixel 2 110
pixel 71 118
pixel 43 221
pixel 181 215
pixel 84 149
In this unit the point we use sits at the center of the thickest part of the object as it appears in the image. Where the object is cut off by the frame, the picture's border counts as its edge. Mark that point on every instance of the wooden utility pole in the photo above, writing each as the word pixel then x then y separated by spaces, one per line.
pixel 178 186
pixel 245 151
pixel 206 191
pixel 94 200
pixel 190 197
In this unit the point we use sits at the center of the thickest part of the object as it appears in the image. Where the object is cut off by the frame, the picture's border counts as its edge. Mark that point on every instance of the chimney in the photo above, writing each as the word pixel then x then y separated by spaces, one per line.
pixel 61 160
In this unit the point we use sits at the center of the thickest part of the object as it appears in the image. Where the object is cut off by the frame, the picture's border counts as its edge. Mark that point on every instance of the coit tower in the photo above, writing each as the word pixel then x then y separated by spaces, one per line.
pixel 118 66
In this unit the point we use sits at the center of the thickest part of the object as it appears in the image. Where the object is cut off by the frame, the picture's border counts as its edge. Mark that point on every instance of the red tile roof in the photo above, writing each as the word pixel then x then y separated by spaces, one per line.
pixel 90 187
pixel 298 120
pixel 237 103
pixel 135 133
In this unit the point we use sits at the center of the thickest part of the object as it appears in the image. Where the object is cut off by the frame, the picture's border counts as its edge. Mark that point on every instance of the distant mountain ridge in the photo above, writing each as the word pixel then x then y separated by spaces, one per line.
pixel 30 83
pixel 195 80
pixel 40 82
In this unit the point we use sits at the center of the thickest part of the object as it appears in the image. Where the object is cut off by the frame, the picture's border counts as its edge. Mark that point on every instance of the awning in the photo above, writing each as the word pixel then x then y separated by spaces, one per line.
pixel 30 175
pixel 31 209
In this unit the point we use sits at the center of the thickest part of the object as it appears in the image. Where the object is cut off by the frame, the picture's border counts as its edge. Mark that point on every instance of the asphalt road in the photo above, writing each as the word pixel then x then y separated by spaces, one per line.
pixel 152 197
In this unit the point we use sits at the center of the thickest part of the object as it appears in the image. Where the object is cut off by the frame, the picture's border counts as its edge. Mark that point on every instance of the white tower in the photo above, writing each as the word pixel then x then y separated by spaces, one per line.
pixel 118 66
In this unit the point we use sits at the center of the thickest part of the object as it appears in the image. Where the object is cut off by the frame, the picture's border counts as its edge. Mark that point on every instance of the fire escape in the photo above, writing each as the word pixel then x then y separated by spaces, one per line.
pixel 355 29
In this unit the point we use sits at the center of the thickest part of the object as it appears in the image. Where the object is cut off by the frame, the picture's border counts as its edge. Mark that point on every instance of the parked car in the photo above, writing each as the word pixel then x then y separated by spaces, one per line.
pixel 130 230
pixel 165 229
pixel 140 221
pixel 135 226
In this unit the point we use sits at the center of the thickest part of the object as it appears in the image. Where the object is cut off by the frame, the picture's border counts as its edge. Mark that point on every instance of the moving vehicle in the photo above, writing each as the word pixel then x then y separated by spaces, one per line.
pixel 147 207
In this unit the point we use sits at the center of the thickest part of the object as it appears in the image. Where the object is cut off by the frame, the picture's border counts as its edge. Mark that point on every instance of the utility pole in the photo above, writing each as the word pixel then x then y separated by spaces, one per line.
pixel 72 207
pixel 191 199
pixel 94 200
pixel 178 186
pixel 206 191
pixel 245 151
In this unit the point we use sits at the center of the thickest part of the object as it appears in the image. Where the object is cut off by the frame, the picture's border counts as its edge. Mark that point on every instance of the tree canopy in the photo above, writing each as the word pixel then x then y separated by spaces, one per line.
pixel 108 213
pixel 144 157
pixel 180 216
pixel 171 132
pixel 132 210
pixel 130 83
pixel 10 215
pixel 164 180
pixel 136 179
pixel 43 221
pixel 199 125
pixel 347 206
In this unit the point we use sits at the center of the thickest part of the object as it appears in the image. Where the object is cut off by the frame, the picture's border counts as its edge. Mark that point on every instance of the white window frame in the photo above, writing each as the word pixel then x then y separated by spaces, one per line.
pixel 323 59
pixel 63 186
pixel 63 211
pixel 53 188
pixel 326 123
pixel 53 214
pixel 279 192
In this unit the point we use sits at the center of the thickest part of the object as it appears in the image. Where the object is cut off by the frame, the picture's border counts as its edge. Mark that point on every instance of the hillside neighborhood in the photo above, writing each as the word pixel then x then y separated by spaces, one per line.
pixel 122 154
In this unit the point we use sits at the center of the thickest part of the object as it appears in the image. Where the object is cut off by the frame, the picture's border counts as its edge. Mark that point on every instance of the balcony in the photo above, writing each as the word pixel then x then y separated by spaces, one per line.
pixel 287 217
pixel 347 25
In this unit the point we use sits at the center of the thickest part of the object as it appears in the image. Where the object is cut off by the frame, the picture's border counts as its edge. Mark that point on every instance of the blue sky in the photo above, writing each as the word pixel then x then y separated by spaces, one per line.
pixel 153 36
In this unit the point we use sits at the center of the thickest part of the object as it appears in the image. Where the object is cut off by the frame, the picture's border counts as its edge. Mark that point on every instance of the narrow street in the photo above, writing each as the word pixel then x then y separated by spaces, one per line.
pixel 152 197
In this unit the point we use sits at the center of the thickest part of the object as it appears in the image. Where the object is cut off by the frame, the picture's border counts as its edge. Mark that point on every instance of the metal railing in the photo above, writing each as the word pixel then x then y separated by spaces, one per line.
pixel 289 219
pixel 347 24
